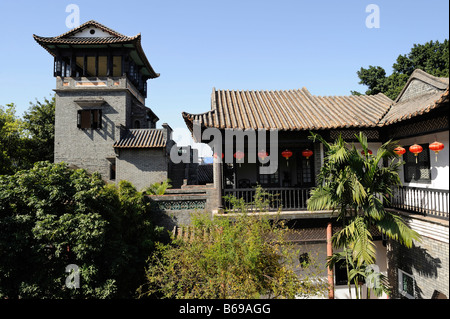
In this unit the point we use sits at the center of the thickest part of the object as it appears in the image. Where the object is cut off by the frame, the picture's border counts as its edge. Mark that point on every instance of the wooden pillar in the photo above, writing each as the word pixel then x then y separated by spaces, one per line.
pixel 72 65
pixel 85 65
pixel 329 254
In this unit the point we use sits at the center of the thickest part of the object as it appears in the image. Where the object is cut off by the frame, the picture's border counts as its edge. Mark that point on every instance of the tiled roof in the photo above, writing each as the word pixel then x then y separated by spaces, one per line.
pixel 69 38
pixel 299 110
pixel 414 107
pixel 293 235
pixel 85 40
pixel 290 110
pixel 142 138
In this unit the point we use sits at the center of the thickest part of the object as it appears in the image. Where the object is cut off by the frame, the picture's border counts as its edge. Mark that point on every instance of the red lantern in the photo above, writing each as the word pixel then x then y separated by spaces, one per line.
pixel 399 151
pixel 286 154
pixel 436 147
pixel 307 153
pixel 215 155
pixel 368 151
pixel 239 156
pixel 416 149
pixel 262 155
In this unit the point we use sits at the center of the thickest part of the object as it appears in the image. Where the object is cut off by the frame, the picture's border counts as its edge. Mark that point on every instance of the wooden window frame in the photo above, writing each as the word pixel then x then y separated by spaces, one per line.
pixel 95 119
pixel 423 162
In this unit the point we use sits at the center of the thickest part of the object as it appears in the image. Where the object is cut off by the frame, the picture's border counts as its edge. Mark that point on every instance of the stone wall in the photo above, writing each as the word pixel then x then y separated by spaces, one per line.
pixel 88 148
pixel 142 167
pixel 175 208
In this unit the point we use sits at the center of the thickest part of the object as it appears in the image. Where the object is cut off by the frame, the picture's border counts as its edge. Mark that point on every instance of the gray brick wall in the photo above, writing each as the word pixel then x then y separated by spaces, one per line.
pixel 142 167
pixel 427 261
pixel 88 148
pixel 92 149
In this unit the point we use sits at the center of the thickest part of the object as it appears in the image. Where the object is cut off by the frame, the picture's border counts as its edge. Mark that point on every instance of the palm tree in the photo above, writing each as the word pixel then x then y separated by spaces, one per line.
pixel 358 186
pixel 158 188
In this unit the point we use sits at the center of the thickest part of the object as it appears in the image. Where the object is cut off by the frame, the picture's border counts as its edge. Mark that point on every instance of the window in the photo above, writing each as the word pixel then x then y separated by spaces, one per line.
pixel 304 172
pixel 102 65
pixel 91 65
pixel 268 179
pixel 340 273
pixel 417 172
pixel 117 66
pixel 112 170
pixel 406 284
pixel 79 60
pixel 89 119
pixel 304 260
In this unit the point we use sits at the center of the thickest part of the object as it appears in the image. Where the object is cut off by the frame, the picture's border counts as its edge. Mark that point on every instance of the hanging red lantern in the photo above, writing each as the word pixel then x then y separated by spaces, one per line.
pixel 416 149
pixel 307 153
pixel 215 155
pixel 239 156
pixel 286 154
pixel 368 151
pixel 399 151
pixel 436 147
pixel 262 155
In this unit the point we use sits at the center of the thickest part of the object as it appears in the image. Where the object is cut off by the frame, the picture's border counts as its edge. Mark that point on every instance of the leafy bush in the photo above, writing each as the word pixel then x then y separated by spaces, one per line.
pixel 52 216
pixel 158 188
pixel 246 256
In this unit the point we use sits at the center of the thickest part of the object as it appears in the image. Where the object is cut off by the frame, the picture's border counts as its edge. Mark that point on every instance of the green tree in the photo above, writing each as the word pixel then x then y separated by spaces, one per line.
pixel 432 57
pixel 39 122
pixel 246 256
pixel 11 140
pixel 28 140
pixel 357 186
pixel 52 216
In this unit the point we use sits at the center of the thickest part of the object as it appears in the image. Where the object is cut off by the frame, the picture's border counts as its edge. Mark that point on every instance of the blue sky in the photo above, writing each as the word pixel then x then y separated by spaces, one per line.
pixel 240 45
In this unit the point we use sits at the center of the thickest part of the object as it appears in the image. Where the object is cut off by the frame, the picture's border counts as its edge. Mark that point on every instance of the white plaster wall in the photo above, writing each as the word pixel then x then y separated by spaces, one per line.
pixel 85 33
pixel 439 168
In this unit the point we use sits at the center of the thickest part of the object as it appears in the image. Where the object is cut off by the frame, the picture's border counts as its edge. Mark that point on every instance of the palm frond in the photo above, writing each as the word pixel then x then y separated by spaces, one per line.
pixel 395 228
pixel 356 235
pixel 321 199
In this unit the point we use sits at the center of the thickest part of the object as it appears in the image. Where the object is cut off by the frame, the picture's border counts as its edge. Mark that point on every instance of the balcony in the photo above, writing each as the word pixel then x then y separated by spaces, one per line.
pixel 423 201
pixel 285 199
pixel 89 83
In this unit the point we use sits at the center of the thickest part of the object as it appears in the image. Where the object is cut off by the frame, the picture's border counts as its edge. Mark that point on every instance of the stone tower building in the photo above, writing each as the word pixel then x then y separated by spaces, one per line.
pixel 101 121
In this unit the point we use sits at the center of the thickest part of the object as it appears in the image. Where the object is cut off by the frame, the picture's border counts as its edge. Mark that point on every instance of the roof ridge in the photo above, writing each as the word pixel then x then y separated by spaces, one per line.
pixel 423 76
pixel 90 22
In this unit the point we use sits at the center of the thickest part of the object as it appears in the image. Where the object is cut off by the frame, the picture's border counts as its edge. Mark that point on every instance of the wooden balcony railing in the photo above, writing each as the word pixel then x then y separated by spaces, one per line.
pixel 424 201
